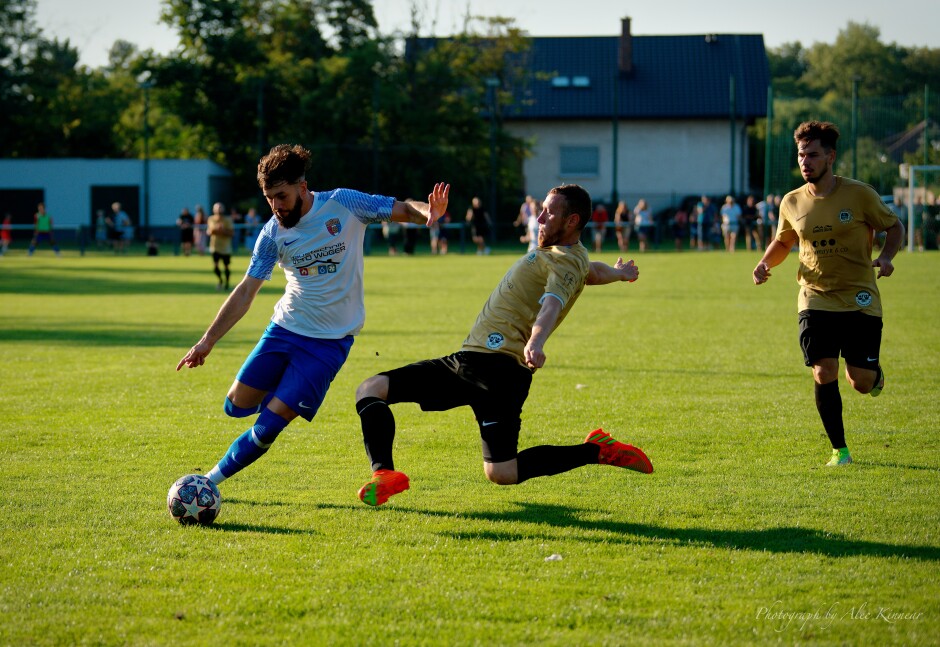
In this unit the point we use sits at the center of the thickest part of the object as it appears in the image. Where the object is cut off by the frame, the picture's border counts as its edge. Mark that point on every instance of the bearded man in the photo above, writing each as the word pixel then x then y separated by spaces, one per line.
pixel 317 238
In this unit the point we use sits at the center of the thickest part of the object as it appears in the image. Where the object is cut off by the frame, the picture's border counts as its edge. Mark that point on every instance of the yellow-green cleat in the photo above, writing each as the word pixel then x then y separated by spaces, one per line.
pixel 840 457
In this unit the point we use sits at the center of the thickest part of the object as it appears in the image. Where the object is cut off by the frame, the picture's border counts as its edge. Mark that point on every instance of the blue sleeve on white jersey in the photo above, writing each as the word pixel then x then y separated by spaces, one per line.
pixel 264 257
pixel 364 207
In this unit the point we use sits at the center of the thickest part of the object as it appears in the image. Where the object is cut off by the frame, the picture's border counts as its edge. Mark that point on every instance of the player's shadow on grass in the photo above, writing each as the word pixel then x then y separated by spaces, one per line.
pixel 255 527
pixel 225 526
pixel 901 466
pixel 774 540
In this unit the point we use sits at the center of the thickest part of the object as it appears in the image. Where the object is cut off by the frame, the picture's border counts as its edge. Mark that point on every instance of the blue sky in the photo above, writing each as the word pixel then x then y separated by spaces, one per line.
pixel 94 26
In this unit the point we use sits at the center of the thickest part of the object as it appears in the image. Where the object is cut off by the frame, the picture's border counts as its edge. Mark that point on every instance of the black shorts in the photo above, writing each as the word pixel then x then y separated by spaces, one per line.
pixel 225 258
pixel 479 231
pixel 854 334
pixel 494 385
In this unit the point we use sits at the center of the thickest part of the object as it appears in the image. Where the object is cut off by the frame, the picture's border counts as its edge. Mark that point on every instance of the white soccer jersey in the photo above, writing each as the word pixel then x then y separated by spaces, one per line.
pixel 322 259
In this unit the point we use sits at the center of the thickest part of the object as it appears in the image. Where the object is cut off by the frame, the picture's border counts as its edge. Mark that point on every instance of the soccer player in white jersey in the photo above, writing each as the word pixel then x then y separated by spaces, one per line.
pixel 316 237
pixel 492 373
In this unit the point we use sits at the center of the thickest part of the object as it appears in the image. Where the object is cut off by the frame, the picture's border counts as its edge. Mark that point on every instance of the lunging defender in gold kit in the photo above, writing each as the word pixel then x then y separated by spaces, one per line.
pixel 834 220
pixel 492 372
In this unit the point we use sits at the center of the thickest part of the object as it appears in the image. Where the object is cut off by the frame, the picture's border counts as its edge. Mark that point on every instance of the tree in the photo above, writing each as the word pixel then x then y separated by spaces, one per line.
pixel 857 54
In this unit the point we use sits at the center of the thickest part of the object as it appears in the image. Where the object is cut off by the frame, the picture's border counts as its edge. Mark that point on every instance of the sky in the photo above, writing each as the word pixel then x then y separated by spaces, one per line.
pixel 92 26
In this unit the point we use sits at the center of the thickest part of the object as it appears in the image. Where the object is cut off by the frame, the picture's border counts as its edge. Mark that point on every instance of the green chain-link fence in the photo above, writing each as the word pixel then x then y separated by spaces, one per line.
pixel 878 135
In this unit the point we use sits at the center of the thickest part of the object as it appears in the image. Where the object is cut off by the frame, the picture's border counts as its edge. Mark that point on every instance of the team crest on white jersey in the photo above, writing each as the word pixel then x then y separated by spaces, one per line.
pixel 845 216
pixel 495 340
pixel 333 226
pixel 863 298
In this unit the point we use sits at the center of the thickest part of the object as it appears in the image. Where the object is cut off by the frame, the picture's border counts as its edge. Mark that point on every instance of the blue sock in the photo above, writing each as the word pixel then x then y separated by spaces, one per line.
pixel 252 444
pixel 243 412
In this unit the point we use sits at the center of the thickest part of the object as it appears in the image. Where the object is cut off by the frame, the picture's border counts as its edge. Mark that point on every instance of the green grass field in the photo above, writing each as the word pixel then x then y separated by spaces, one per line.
pixel 740 537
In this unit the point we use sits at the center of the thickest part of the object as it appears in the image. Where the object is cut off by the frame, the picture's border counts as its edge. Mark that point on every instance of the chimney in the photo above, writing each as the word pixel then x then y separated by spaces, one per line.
pixel 626 48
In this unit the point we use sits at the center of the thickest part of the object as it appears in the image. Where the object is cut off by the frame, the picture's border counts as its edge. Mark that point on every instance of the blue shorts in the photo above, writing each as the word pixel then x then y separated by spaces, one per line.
pixel 297 369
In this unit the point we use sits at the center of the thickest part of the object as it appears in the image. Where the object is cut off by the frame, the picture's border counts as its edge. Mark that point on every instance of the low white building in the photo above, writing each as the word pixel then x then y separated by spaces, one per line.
pixel 73 190
pixel 629 117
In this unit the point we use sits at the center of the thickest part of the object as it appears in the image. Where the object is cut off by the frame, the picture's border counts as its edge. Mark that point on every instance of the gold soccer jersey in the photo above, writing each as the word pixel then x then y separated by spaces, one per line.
pixel 835 234
pixel 505 323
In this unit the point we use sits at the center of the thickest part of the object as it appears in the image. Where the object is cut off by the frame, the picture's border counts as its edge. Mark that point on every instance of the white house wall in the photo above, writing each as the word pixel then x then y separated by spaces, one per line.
pixel 661 161
pixel 67 183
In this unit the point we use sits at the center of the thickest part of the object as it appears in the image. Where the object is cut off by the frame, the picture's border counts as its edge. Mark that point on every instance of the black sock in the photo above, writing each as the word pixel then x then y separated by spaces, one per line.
pixel 378 431
pixel 547 460
pixel 829 405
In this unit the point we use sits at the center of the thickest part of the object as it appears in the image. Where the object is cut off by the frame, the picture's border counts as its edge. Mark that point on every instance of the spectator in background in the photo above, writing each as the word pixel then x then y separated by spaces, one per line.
pixel 220 230
pixel 730 223
pixel 918 223
pixel 623 226
pixel 153 246
pixel 6 234
pixel 252 229
pixel 199 230
pixel 391 231
pixel 532 227
pixel 237 229
pixel 124 227
pixel 101 230
pixel 527 210
pixel 479 221
pixel 643 221
pixel 712 222
pixel 599 223
pixel 410 235
pixel 185 223
pixel 774 215
pixel 698 227
pixel 680 227
pixel 764 208
pixel 439 234
pixel 42 230
pixel 932 224
pixel 749 220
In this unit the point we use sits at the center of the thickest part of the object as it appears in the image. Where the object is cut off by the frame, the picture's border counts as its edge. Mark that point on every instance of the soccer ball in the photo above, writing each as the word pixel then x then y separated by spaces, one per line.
pixel 194 499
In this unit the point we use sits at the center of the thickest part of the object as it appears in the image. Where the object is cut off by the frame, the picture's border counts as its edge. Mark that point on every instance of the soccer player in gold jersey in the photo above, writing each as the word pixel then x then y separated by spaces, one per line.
pixel 834 219
pixel 493 371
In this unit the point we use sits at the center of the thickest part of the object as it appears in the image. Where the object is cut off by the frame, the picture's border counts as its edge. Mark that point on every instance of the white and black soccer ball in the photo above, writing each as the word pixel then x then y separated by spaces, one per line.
pixel 194 499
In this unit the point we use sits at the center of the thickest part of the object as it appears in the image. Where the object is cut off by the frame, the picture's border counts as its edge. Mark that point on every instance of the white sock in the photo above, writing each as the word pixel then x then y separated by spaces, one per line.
pixel 215 475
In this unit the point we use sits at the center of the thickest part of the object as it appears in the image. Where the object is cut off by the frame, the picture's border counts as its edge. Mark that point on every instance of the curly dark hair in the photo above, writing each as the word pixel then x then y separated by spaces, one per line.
pixel 283 163
pixel 825 131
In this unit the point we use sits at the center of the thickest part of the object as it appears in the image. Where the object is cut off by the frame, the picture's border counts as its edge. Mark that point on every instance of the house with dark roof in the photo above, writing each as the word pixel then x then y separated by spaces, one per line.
pixel 629 117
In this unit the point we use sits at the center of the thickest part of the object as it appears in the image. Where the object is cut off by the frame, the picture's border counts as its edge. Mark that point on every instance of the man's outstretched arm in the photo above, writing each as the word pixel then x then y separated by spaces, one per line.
pixel 234 308
pixel 602 273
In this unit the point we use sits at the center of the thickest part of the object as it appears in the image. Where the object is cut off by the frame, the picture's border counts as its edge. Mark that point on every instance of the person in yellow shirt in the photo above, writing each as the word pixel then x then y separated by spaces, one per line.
pixel 221 230
pixel 834 219
pixel 492 372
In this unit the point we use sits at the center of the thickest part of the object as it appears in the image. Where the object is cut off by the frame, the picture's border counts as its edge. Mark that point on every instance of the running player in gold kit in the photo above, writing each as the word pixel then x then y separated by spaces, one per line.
pixel 493 371
pixel 834 220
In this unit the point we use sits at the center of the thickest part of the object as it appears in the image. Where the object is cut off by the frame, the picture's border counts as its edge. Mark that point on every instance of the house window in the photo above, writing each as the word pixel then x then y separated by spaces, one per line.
pixel 561 82
pixel 580 160
pixel 581 81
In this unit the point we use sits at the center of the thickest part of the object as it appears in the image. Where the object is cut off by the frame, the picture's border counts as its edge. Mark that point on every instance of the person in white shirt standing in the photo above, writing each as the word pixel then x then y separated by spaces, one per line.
pixel 317 238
